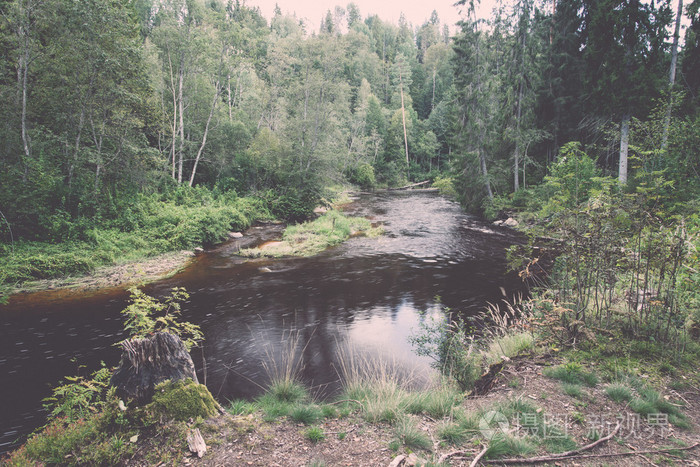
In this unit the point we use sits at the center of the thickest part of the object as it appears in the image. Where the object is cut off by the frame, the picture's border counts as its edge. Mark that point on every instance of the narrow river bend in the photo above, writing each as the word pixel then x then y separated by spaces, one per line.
pixel 367 294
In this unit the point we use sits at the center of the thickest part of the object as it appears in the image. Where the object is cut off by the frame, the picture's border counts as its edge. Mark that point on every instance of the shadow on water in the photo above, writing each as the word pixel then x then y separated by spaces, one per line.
pixel 367 294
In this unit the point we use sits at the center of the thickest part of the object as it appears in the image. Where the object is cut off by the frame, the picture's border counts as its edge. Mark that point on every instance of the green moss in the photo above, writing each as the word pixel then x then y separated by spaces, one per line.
pixel 182 400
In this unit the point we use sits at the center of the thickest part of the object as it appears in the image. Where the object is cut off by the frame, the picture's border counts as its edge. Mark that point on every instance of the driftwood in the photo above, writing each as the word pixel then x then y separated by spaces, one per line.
pixel 406 187
pixel 478 457
pixel 599 456
pixel 150 361
pixel 556 457
pixel 573 454
pixel 196 443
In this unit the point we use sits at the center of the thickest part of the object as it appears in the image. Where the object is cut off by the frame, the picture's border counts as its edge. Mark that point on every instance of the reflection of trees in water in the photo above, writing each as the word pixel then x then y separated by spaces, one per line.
pixel 324 299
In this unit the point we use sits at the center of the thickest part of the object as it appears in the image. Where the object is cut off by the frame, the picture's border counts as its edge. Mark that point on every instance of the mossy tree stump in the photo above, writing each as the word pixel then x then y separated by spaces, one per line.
pixel 147 362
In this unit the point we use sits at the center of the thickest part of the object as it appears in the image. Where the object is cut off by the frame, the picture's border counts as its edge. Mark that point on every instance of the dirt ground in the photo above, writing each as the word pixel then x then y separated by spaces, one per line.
pixel 246 440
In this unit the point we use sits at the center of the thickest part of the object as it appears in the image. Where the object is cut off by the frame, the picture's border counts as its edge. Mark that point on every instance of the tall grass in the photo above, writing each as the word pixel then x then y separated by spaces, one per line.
pixel 385 390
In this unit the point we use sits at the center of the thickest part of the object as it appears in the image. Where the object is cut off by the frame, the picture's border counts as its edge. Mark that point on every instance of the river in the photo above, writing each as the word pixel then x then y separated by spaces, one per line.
pixel 368 294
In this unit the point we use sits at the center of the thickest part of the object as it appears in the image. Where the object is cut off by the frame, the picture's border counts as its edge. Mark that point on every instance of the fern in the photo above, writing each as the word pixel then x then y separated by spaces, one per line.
pixel 147 315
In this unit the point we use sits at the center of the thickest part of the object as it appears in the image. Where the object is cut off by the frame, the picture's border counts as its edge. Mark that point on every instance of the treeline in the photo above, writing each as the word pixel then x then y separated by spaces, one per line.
pixel 614 75
pixel 106 104
pixel 104 101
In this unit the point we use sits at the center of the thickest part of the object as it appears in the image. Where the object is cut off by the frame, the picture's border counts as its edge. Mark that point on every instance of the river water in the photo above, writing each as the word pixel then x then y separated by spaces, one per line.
pixel 368 295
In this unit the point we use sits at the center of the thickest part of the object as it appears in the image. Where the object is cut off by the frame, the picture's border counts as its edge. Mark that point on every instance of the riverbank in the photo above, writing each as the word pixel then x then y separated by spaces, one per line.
pixel 149 241
pixel 539 408
pixel 120 275
pixel 305 239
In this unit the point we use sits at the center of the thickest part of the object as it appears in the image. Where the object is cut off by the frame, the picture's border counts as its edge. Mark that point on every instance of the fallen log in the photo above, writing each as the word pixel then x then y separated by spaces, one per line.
pixel 406 187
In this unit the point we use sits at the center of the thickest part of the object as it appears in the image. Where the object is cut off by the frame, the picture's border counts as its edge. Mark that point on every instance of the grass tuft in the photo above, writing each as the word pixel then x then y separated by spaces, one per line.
pixel 502 445
pixel 452 433
pixel 619 392
pixel 315 434
pixel 574 390
pixel 572 373
pixel 306 414
pixel 410 436
pixel 241 407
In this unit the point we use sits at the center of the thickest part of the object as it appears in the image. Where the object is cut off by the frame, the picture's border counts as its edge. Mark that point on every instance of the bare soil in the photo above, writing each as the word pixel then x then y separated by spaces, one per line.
pixel 350 441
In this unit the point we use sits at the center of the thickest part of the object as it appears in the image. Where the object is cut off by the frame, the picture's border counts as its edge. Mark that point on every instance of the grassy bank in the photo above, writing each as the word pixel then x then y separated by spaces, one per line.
pixel 312 237
pixel 148 228
pixel 540 404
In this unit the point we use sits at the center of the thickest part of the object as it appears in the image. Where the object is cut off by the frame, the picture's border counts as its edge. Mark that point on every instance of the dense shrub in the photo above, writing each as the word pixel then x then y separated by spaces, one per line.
pixel 363 176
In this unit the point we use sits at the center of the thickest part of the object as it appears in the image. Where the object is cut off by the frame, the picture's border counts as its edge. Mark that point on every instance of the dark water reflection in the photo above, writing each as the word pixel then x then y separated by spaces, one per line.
pixel 365 294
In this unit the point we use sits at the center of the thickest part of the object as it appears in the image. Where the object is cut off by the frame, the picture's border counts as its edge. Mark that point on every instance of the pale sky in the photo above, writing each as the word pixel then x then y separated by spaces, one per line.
pixel 416 12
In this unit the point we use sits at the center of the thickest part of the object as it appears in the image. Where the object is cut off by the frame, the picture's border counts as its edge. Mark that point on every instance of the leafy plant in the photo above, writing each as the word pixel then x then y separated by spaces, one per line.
pixel 79 396
pixel 147 315
pixel 452 348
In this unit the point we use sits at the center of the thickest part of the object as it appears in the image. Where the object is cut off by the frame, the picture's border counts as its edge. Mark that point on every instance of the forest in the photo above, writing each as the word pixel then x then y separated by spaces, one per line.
pixel 134 128
pixel 114 113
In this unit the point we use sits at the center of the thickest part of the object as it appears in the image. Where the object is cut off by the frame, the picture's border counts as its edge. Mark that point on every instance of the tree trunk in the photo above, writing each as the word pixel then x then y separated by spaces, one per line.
pixel 432 101
pixel 173 150
pixel 23 31
pixel 624 147
pixel 206 132
pixel 516 156
pixel 149 361
pixel 403 118
pixel 181 130
pixel 672 75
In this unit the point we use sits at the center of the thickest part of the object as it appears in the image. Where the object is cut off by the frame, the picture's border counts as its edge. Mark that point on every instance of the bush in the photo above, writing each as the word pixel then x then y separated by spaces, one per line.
pixel 363 176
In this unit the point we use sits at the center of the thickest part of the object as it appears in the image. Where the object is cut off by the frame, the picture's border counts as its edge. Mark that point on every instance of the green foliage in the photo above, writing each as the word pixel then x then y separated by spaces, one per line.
pixel 572 180
pixel 453 433
pixel 312 237
pixel 306 414
pixel 80 397
pixel 649 402
pixel 78 443
pixel 363 176
pixel 452 348
pixel 446 186
pixel 437 403
pixel 571 373
pixel 241 407
pixel 410 435
pixel 619 392
pixel 503 445
pixel 573 390
pixel 146 226
pixel 315 434
pixel 288 391
pixel 147 315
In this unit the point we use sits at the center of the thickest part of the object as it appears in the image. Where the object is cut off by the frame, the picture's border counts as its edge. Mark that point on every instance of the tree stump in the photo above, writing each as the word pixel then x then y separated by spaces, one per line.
pixel 149 361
